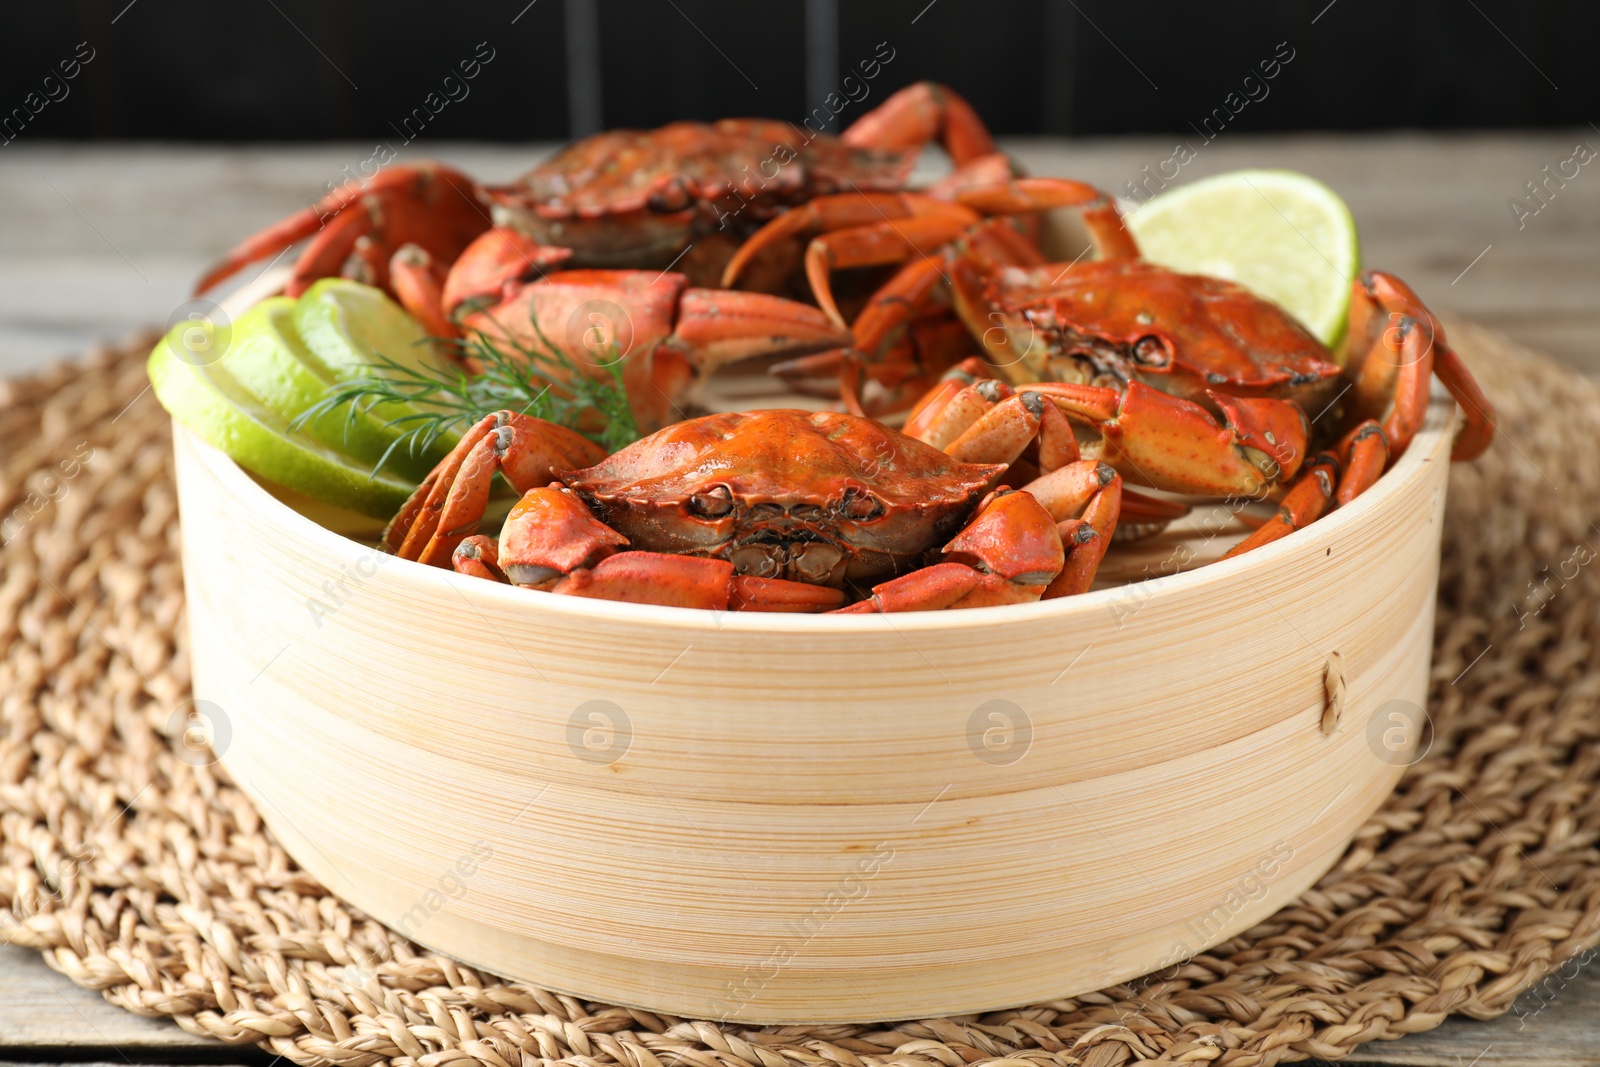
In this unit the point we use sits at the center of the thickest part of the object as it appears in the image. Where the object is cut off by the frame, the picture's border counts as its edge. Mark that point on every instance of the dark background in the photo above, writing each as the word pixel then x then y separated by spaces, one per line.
pixel 297 70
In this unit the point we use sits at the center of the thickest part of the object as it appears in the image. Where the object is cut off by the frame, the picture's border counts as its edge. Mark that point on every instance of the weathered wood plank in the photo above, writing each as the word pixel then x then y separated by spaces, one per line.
pixel 99 239
pixel 40 1009
pixel 1555 1024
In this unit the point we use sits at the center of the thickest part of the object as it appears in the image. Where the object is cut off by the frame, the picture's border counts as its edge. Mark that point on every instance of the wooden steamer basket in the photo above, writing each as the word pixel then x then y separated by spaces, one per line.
pixel 778 818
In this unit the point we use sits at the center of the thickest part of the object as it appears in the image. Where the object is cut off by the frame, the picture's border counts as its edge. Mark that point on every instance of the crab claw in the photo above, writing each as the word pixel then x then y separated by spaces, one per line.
pixel 478 557
pixel 549 534
pixel 1170 443
pixel 1007 555
pixel 446 508
pixel 1275 428
pixel 667 335
pixel 1013 537
pixel 721 326
pixel 500 255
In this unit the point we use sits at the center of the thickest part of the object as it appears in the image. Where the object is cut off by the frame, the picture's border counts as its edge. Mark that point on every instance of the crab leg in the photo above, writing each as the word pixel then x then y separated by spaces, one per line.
pixel 1393 374
pixel 1085 499
pixel 418 285
pixel 867 229
pixel 898 334
pixel 1024 196
pixel 839 211
pixel 992 169
pixel 921 113
pixel 931 224
pixel 1301 506
pixel 920 230
pixel 906 335
pixel 282 234
pixel 425 203
pixel 1008 554
pixel 447 507
pixel 692 582
pixel 1365 453
pixel 331 250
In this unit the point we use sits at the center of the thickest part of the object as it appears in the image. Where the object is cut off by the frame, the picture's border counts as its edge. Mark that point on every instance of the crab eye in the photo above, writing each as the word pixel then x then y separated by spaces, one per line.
pixel 860 506
pixel 1151 352
pixel 711 504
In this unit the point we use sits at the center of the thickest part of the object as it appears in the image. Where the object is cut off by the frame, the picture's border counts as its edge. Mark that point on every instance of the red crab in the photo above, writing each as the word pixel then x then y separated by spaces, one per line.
pixel 621 199
pixel 678 197
pixel 1183 383
pixel 905 334
pixel 773 510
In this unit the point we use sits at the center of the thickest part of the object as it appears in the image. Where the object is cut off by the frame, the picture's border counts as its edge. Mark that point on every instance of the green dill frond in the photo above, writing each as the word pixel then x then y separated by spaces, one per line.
pixel 439 404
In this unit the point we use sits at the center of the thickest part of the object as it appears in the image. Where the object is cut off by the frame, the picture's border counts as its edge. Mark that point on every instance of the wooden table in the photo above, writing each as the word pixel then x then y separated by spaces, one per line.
pixel 100 240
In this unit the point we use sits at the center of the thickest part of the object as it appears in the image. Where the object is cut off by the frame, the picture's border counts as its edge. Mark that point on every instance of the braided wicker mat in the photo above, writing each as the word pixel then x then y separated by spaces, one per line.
pixel 134 865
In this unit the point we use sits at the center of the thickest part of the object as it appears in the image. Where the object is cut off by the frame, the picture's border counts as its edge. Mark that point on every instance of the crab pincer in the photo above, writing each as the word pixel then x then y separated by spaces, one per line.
pixel 1008 554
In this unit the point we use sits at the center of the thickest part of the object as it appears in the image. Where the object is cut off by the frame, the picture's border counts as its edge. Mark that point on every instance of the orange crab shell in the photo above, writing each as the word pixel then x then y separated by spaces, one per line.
pixel 1184 334
pixel 626 197
pixel 817 496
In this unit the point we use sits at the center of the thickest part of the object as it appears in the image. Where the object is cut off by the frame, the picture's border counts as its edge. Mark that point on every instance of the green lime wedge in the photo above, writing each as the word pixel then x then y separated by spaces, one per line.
pixel 1281 234
pixel 205 396
pixel 347 326
pixel 264 354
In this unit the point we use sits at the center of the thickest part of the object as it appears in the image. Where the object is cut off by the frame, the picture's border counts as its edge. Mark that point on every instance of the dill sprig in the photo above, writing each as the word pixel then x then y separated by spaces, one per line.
pixel 445 401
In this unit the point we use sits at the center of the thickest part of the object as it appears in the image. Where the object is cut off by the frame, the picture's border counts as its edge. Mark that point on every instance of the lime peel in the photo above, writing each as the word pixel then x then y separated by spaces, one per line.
pixel 212 404
pixel 1283 235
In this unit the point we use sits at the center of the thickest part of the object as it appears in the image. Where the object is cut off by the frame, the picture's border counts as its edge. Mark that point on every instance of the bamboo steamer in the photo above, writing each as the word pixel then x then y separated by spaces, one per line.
pixel 798 818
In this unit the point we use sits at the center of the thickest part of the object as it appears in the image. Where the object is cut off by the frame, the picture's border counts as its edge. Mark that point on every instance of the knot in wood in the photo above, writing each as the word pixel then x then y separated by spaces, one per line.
pixel 1333 693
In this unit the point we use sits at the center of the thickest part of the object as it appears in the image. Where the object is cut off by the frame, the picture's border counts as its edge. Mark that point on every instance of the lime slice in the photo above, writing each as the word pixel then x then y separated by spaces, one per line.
pixel 349 330
pixel 264 354
pixel 346 326
pixel 1280 234
pixel 208 399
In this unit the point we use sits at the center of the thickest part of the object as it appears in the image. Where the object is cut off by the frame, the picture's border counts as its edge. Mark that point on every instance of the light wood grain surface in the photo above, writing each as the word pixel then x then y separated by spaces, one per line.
pixel 99 239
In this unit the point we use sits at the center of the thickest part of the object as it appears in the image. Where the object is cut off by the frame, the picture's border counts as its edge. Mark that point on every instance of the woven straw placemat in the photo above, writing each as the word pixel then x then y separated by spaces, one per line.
pixel 133 864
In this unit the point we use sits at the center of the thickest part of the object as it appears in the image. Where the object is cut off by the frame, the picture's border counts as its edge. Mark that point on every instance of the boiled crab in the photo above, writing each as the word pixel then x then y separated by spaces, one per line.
pixel 464 257
pixel 1182 382
pixel 906 334
pixel 773 510
pixel 624 198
